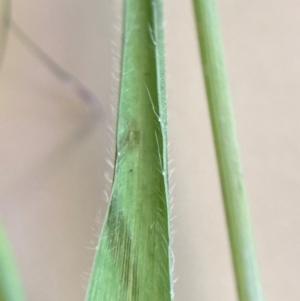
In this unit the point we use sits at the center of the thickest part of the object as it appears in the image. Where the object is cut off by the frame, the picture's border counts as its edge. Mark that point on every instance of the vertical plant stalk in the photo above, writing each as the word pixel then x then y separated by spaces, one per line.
pixel 132 261
pixel 226 145
pixel 10 285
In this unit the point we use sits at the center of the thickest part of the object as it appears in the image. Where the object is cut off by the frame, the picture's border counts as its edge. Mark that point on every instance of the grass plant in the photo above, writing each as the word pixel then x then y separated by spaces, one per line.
pixel 133 256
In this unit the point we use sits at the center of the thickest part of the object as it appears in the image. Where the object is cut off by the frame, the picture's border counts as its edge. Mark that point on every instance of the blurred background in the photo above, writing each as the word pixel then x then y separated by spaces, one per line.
pixel 53 150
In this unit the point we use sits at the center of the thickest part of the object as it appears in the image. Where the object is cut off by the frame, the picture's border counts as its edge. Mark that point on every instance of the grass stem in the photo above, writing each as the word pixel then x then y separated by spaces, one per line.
pixel 226 146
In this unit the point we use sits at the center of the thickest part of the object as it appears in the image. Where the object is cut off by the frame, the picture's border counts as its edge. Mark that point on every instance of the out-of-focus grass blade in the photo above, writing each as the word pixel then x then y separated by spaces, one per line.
pixel 132 261
pixel 4 25
pixel 217 89
pixel 10 287
pixel 87 96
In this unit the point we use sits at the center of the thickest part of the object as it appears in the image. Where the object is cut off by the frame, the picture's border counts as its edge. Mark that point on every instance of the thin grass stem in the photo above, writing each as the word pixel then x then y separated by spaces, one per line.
pixel 226 146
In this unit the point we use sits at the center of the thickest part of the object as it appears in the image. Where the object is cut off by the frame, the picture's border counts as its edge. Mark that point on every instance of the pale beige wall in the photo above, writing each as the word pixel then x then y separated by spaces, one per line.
pixel 52 187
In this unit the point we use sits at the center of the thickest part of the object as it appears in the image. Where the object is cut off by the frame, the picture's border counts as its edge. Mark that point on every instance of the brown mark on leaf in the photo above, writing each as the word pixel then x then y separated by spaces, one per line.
pixel 133 135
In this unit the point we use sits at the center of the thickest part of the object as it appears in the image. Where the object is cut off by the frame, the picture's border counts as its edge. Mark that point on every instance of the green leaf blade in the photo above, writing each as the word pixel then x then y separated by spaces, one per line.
pixel 133 259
